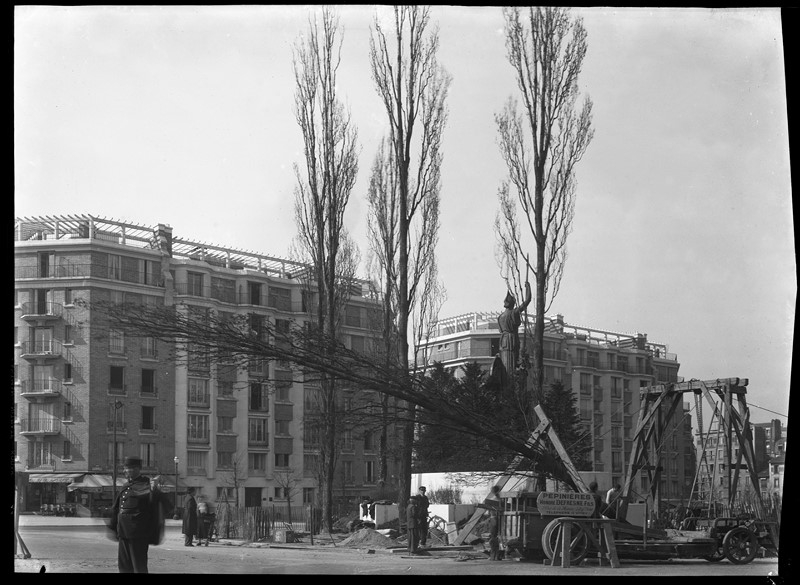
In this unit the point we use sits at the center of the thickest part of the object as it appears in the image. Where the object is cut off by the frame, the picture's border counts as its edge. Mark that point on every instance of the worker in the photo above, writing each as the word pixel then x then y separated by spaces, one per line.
pixel 612 501
pixel 422 513
pixel 494 535
pixel 412 518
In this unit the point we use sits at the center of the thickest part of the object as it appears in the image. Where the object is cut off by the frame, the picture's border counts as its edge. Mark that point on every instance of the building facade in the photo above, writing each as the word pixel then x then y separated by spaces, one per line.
pixel 604 370
pixel 85 395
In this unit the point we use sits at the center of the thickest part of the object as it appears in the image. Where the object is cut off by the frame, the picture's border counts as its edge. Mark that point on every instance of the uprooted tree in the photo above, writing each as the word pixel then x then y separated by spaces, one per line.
pixel 225 338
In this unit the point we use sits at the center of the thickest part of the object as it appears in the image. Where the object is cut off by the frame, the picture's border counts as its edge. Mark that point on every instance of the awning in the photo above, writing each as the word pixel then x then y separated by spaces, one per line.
pixel 53 477
pixel 92 481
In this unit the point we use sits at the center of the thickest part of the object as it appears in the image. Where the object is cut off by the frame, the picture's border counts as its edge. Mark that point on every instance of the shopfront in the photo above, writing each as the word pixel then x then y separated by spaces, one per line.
pixel 44 492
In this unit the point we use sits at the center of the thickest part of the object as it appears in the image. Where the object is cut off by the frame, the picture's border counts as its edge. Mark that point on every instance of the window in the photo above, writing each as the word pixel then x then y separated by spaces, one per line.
pixel 347 469
pixel 357 343
pixel 308 495
pixel 225 424
pixel 280 298
pixel 68 296
pixel 119 453
pixel 116 341
pixel 347 440
pixel 198 427
pixel 256 323
pixel 149 347
pixel 225 494
pixel 310 464
pixel 281 427
pixel 67 452
pixel 147 451
pixel 254 293
pixel 257 431
pixel 258 397
pixel 224 460
pixel 67 410
pixel 67 372
pixel 148 381
pixel 194 282
pixel 352 316
pixel 117 381
pixel 311 435
pixel 369 441
pixel 616 388
pixel 196 459
pixel 115 266
pixel 369 472
pixel 198 392
pixel 586 383
pixel 68 336
pixel 16 335
pixel 616 462
pixel 281 493
pixel 148 418
pixel 281 460
pixel 586 410
pixel 257 462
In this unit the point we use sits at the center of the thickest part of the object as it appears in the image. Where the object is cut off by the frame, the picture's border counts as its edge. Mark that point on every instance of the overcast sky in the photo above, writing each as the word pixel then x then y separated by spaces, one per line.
pixel 683 222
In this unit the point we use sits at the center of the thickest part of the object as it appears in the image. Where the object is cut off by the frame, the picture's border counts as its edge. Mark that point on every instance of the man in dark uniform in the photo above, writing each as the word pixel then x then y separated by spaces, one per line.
pixel 412 520
pixel 422 510
pixel 136 518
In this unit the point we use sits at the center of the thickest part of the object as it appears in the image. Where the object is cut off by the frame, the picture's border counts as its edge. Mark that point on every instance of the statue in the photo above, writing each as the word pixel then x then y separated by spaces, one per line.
pixel 506 362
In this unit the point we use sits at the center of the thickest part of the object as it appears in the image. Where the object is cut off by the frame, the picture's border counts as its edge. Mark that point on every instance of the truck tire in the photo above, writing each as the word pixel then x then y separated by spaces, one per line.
pixel 740 545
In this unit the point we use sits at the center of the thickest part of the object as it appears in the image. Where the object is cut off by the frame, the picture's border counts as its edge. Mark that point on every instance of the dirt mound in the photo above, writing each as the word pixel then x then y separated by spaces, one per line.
pixel 368 538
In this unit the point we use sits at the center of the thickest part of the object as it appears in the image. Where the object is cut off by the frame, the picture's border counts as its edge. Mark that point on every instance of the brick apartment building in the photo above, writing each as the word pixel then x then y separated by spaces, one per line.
pixel 86 396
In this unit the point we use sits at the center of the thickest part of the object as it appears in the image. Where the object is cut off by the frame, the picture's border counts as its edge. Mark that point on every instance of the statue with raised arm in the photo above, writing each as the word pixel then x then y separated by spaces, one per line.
pixel 506 362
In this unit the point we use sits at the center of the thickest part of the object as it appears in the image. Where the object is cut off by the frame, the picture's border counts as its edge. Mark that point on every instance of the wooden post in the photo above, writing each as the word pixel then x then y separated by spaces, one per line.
pixel 566 542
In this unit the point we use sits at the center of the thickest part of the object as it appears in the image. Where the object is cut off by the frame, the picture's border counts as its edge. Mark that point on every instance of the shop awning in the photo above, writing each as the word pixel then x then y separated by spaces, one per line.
pixel 91 481
pixel 53 477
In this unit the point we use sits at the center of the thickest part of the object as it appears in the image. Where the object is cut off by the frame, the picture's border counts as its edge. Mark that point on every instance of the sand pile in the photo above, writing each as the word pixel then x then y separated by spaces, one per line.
pixel 368 538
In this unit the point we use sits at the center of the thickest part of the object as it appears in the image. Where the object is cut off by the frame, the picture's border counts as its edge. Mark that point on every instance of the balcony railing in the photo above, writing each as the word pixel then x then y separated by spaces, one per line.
pixel 68 270
pixel 40 310
pixel 203 401
pixel 41 348
pixel 39 388
pixel 122 427
pixel 42 425
pixel 201 436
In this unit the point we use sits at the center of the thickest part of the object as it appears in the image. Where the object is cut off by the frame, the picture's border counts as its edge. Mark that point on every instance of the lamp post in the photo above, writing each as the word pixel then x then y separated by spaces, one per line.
pixel 117 405
pixel 175 514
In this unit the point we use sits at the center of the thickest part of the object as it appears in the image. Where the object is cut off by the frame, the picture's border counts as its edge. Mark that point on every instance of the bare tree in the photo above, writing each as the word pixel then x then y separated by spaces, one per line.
pixel 323 190
pixel 235 477
pixel 413 87
pixel 541 146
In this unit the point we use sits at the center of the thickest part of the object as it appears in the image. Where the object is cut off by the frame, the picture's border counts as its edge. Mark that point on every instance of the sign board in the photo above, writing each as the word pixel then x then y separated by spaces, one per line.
pixel 565 504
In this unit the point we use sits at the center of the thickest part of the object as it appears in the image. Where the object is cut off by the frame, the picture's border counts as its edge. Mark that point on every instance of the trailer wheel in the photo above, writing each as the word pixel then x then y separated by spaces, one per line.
pixel 740 545
pixel 437 523
pixel 579 547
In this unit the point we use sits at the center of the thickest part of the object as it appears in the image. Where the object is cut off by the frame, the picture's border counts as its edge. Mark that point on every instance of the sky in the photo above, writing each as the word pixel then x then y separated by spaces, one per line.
pixel 683 220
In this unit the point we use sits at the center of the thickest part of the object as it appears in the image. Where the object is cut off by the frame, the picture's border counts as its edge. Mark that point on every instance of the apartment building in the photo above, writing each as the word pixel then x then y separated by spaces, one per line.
pixel 85 395
pixel 604 370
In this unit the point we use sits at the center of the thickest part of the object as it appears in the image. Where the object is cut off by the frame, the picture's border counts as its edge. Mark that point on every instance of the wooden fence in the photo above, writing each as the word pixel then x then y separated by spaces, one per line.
pixel 259 523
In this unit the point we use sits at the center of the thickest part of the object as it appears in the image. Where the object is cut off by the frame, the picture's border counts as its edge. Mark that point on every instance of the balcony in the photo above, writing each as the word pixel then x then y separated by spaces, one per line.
pixel 48 348
pixel 148 392
pixel 49 388
pixel 37 311
pixel 40 426
pixel 121 426
pixel 63 270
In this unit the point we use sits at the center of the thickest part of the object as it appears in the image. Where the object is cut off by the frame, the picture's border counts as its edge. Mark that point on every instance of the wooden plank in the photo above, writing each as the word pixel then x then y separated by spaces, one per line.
pixel 610 548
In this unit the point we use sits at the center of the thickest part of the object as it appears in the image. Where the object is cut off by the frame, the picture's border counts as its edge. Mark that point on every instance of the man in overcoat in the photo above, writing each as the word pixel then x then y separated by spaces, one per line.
pixel 189 518
pixel 422 513
pixel 137 518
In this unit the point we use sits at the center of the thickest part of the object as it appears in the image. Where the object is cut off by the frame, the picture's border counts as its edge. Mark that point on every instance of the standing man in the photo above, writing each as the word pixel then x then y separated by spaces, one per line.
pixel 189 518
pixel 612 501
pixel 494 535
pixel 598 499
pixel 412 519
pixel 136 518
pixel 422 512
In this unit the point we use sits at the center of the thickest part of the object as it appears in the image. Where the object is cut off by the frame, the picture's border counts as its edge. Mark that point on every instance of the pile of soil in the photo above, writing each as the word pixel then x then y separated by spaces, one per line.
pixel 368 538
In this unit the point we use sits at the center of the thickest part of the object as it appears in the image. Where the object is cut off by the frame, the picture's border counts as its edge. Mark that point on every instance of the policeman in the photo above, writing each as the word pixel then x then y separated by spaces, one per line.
pixel 136 519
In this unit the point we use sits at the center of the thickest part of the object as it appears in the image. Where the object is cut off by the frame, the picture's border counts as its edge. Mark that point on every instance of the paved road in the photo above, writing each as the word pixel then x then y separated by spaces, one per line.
pixel 81 546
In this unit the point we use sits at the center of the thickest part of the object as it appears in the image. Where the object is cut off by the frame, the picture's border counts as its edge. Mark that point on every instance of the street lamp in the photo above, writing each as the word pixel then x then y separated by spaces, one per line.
pixel 117 405
pixel 175 515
